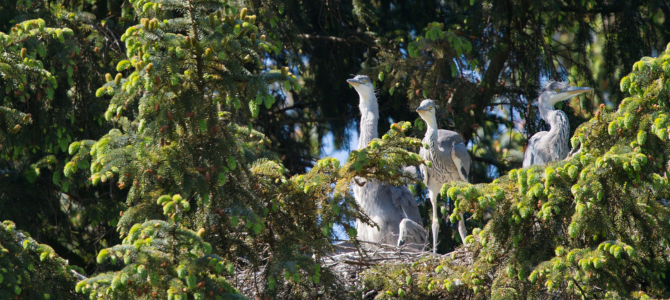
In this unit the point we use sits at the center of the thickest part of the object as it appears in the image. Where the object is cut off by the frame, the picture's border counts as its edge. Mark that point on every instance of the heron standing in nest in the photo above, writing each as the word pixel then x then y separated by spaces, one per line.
pixel 450 162
pixel 392 208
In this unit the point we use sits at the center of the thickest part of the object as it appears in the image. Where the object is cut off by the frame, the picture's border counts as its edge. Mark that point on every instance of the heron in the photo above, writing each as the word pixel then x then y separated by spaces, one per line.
pixel 547 146
pixel 392 208
pixel 450 162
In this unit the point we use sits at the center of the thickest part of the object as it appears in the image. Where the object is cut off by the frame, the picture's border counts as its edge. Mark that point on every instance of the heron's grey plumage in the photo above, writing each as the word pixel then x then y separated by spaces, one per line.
pixel 411 171
pixel 392 208
pixel 450 159
pixel 547 146
pixel 411 234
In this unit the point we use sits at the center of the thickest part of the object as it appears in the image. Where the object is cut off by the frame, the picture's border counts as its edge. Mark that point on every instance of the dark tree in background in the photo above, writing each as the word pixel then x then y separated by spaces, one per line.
pixel 514 47
pixel 482 61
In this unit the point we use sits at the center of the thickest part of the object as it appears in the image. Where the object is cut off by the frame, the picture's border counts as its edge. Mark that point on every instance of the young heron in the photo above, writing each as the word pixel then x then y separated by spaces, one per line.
pixel 393 208
pixel 548 146
pixel 450 159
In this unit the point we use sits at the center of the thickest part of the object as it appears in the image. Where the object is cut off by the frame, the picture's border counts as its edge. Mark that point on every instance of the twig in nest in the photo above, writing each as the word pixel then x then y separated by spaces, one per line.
pixel 359 263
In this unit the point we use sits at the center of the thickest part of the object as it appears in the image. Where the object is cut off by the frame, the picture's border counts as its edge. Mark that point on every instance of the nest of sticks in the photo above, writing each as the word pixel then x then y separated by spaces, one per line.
pixel 348 263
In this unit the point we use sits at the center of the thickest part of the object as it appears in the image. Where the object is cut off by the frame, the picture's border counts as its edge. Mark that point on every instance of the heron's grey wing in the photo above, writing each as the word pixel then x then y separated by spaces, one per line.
pixel 412 234
pixel 532 155
pixel 451 147
pixel 404 202
pixel 461 158
pixel 446 139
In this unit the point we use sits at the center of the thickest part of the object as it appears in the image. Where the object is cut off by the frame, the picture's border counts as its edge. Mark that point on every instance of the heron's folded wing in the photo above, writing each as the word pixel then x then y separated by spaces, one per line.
pixel 531 157
pixel 461 158
pixel 412 233
pixel 446 139
pixel 403 200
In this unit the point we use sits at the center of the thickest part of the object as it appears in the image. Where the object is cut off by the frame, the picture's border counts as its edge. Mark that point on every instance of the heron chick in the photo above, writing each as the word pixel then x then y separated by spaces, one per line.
pixel 450 159
pixel 547 146
pixel 392 208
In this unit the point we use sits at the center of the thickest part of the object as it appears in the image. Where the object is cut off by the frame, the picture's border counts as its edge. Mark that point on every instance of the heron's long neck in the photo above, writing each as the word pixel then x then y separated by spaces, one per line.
pixel 366 196
pixel 431 139
pixel 559 131
pixel 545 109
pixel 560 126
pixel 431 136
pixel 369 118
pixel 557 120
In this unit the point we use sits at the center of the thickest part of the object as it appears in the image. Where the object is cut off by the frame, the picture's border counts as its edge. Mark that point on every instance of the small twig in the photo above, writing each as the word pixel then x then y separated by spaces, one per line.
pixel 359 263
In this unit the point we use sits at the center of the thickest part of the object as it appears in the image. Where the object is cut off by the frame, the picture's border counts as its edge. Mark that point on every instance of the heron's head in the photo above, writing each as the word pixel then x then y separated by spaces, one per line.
pixel 555 92
pixel 363 85
pixel 427 110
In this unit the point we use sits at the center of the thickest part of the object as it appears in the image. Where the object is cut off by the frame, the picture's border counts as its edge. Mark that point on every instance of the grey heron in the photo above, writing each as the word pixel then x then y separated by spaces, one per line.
pixel 392 208
pixel 450 159
pixel 547 146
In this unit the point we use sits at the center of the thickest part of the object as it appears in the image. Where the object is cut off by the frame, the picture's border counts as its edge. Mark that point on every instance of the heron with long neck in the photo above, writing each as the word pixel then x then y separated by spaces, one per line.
pixel 392 208
pixel 547 146
pixel 450 159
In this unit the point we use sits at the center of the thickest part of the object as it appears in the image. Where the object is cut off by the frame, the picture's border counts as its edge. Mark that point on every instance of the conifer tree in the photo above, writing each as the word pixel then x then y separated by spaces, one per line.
pixel 47 102
pixel 189 103
pixel 184 150
pixel 593 226
pixel 29 270
pixel 147 252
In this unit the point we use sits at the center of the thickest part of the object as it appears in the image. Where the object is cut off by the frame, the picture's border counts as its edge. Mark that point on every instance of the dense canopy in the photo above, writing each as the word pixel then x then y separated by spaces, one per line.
pixel 175 149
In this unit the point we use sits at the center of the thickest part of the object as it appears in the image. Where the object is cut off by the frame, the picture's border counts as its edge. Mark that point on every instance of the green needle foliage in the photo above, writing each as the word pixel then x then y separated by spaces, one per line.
pixel 24 77
pixel 175 258
pixel 591 226
pixel 163 259
pixel 192 140
pixel 46 102
pixel 29 270
pixel 181 103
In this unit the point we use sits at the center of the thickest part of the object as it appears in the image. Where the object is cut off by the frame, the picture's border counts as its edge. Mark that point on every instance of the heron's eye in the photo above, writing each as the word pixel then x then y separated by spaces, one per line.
pixel 558 90
pixel 365 81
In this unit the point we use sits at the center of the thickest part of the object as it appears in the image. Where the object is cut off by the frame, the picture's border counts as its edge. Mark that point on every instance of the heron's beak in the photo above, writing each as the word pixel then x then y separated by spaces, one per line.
pixel 573 91
pixel 421 109
pixel 353 82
